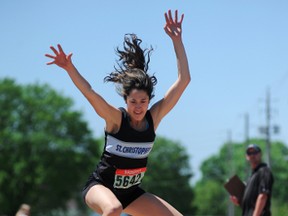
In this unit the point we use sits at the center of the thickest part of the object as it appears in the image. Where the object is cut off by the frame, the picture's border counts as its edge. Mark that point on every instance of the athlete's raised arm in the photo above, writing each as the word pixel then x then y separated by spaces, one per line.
pixel 173 28
pixel 102 108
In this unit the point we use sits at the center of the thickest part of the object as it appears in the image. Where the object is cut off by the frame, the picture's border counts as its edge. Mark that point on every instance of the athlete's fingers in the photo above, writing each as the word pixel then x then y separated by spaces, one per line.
pixel 69 56
pixel 60 49
pixel 49 63
pixel 182 17
pixel 49 56
pixel 166 18
pixel 54 50
pixel 176 16
pixel 170 16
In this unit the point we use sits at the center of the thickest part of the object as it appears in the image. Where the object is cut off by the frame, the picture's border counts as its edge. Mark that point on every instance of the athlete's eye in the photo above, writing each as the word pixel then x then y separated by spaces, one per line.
pixel 133 101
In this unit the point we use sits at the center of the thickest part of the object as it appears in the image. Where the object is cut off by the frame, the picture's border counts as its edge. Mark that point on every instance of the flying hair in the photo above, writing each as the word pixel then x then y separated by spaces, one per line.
pixel 132 71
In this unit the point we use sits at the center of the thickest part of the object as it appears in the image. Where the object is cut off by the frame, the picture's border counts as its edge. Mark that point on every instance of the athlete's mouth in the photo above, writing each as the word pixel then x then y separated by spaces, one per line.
pixel 138 112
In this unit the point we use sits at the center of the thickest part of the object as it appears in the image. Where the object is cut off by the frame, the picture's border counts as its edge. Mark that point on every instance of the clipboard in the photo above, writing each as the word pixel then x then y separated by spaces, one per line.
pixel 235 187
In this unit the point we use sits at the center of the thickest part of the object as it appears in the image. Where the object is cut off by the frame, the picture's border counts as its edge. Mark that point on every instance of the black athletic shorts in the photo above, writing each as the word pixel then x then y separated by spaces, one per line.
pixel 124 196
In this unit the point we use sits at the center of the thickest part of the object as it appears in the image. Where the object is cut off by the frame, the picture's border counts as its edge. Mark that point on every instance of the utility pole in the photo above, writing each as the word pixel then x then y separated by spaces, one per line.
pixel 268 125
pixel 246 129
pixel 266 130
pixel 230 211
pixel 246 140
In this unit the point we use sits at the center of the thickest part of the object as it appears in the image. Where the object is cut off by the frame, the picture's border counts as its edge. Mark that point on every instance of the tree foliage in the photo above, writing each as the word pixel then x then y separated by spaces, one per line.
pixel 47 153
pixel 168 174
pixel 231 160
pixel 209 199
pixel 46 148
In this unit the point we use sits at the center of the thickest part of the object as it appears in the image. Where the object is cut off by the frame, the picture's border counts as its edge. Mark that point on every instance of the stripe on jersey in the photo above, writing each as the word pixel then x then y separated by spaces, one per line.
pixel 135 150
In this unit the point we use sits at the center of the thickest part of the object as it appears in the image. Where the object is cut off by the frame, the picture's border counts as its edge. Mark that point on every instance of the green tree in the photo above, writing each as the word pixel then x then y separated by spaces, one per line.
pixel 231 160
pixel 168 174
pixel 209 199
pixel 46 148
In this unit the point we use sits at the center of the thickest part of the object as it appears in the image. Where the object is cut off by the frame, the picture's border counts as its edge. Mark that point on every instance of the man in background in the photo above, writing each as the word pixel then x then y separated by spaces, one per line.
pixel 257 195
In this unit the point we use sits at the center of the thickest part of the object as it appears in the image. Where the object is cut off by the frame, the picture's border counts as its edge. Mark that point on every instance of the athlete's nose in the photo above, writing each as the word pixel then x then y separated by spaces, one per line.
pixel 138 106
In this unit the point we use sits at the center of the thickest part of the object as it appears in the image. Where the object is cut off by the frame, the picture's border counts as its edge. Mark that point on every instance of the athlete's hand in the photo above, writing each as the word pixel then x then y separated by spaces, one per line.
pixel 60 59
pixel 173 27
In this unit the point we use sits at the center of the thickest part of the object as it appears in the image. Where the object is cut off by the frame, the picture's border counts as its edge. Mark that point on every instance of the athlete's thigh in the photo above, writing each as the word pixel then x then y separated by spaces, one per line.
pixel 100 198
pixel 150 204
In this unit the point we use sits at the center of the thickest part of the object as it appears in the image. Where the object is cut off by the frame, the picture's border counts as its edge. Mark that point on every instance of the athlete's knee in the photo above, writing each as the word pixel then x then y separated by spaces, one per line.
pixel 114 209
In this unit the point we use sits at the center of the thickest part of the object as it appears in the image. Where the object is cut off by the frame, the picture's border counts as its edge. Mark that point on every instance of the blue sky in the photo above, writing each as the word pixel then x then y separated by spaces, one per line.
pixel 236 50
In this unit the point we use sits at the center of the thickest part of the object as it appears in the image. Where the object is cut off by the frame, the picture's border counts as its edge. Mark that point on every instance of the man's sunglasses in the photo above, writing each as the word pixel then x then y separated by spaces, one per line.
pixel 252 153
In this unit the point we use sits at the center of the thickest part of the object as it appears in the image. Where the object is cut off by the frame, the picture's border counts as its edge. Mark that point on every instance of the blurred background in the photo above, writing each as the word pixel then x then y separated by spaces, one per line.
pixel 51 138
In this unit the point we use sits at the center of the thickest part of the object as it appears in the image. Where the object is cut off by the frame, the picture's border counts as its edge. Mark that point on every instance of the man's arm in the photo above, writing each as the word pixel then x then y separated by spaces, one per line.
pixel 260 203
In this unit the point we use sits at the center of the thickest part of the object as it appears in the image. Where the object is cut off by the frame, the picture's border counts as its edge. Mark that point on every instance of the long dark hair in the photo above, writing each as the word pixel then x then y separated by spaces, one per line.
pixel 132 68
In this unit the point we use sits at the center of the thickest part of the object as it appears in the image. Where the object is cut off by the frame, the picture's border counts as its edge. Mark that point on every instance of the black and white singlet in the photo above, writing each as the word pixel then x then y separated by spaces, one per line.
pixel 124 159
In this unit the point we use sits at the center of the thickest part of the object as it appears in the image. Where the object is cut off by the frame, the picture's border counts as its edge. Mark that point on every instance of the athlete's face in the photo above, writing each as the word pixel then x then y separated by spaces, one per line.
pixel 137 104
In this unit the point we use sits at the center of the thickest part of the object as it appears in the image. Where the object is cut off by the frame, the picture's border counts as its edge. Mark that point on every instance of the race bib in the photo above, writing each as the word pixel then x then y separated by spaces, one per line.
pixel 126 178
